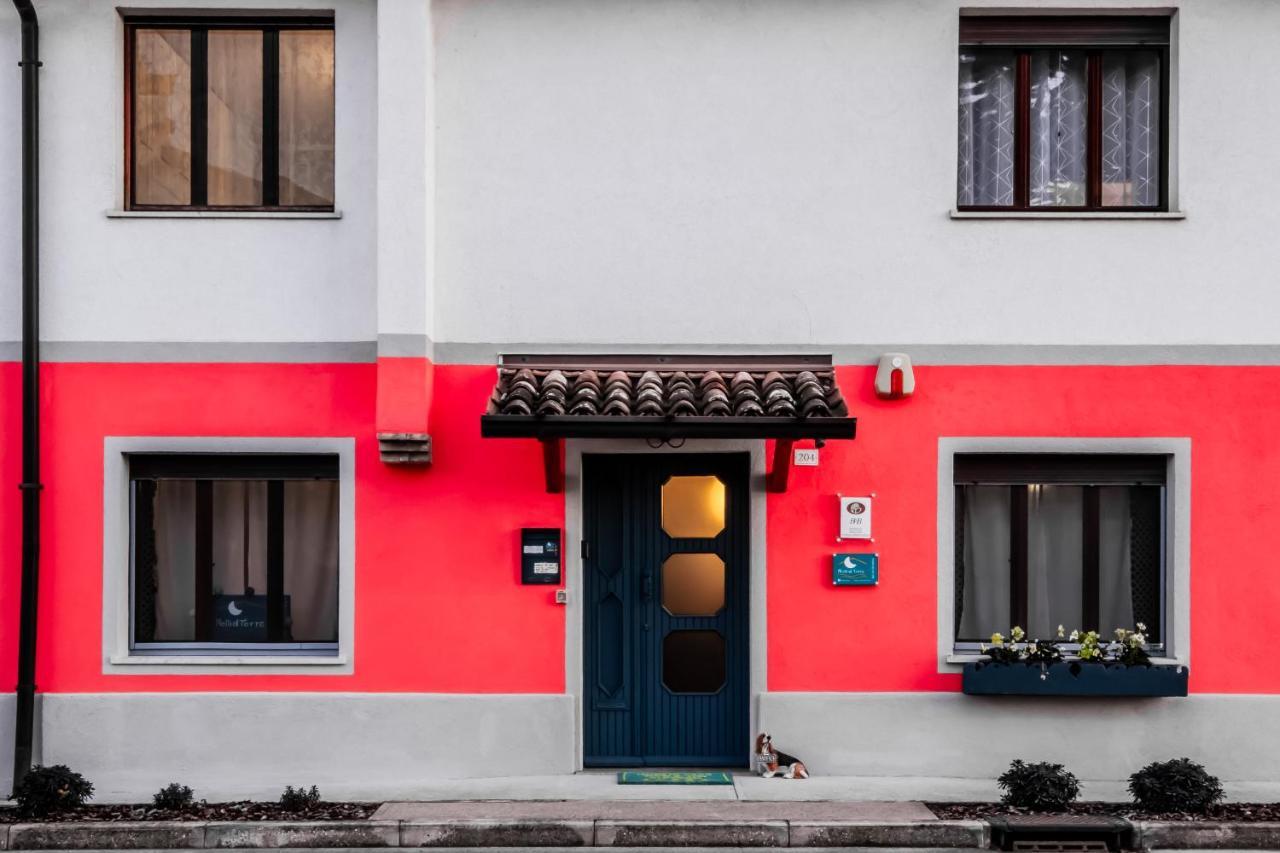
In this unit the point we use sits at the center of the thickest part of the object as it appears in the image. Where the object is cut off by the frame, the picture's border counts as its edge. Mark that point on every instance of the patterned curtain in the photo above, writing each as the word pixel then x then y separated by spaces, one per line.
pixel 1131 129
pixel 986 101
pixel 1059 129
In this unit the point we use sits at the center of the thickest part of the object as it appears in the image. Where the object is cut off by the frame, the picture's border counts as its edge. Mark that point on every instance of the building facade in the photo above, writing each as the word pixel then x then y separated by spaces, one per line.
pixel 289 255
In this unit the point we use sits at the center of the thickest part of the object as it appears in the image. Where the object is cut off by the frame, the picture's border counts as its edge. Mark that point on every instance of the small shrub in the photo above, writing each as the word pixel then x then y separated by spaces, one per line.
pixel 173 797
pixel 1039 787
pixel 1180 785
pixel 49 790
pixel 299 799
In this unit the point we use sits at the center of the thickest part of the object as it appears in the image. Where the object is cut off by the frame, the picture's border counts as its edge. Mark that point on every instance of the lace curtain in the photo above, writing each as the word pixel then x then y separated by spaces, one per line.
pixel 1131 129
pixel 987 97
pixel 1058 128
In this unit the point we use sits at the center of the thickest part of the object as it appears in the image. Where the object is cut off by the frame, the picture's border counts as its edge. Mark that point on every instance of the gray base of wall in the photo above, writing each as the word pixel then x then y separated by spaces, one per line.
pixel 367 746
pixel 378 746
pixel 8 708
pixel 969 739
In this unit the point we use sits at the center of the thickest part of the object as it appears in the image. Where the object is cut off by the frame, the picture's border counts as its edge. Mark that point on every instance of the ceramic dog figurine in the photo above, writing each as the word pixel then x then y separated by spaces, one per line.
pixel 771 762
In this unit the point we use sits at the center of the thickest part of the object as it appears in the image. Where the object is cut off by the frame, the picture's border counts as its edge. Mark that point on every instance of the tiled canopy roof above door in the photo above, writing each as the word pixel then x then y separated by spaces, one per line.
pixel 667 397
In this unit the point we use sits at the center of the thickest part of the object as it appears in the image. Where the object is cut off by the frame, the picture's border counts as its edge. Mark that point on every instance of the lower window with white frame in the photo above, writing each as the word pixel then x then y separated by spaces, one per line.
pixel 1059 539
pixel 234 553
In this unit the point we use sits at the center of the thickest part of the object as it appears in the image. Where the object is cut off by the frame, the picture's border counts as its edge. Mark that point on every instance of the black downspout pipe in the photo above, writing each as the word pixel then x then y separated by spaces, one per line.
pixel 25 724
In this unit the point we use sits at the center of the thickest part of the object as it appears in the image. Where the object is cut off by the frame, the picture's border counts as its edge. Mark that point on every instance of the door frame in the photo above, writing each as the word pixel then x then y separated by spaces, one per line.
pixel 757 630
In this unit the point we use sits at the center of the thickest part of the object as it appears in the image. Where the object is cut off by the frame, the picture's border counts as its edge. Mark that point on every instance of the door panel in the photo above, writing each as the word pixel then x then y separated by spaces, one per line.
pixel 666 620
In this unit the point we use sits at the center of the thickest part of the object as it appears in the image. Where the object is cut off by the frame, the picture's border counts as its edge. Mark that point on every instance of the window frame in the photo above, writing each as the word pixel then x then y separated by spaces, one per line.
pixel 119 658
pixel 1019 472
pixel 1095 36
pixel 209 468
pixel 1177 522
pixel 199 23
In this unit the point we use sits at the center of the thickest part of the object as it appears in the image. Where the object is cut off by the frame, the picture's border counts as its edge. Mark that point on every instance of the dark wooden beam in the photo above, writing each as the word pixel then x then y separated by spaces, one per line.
pixel 553 463
pixel 780 473
pixel 614 426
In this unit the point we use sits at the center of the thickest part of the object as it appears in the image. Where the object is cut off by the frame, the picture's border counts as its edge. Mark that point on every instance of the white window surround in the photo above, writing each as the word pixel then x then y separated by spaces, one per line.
pixel 118 658
pixel 1177 527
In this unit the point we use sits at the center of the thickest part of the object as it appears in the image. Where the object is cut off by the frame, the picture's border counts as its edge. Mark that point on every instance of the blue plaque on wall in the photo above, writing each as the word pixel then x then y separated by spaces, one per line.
pixel 855 569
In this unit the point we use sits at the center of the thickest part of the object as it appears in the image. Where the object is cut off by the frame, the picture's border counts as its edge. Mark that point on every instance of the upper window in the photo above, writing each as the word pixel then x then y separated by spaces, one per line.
pixel 234 553
pixel 1059 539
pixel 228 112
pixel 1063 113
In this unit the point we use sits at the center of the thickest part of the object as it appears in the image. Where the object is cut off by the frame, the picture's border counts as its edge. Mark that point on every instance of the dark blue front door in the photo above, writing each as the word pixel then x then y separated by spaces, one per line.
pixel 665 568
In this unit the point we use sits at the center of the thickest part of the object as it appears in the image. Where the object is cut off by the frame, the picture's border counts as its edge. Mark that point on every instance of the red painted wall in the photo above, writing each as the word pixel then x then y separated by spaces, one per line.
pixel 439 605
pixel 884 638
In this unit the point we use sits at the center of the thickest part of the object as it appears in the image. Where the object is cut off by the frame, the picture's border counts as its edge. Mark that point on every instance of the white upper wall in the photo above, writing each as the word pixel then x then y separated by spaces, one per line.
pixel 105 279
pixel 773 172
pixel 781 171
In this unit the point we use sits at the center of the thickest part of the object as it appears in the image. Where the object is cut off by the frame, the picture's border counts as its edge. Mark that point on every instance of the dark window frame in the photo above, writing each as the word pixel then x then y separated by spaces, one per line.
pixel 1095 36
pixel 1019 471
pixel 206 469
pixel 199 23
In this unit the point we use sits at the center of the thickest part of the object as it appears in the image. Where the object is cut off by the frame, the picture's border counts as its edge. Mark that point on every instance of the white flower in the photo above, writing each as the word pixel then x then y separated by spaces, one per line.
pixel 1061 632
pixel 1142 628
pixel 1075 636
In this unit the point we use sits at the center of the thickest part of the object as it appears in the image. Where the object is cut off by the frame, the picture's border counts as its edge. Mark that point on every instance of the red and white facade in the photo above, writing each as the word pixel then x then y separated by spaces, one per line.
pixel 698 178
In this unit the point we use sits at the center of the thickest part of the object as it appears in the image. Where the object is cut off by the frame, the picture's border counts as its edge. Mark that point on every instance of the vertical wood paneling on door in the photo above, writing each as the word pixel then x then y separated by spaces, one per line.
pixel 608 678
pixel 642 721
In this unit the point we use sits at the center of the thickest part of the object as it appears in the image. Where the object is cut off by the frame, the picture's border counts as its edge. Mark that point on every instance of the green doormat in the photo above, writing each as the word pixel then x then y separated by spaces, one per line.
pixel 674 777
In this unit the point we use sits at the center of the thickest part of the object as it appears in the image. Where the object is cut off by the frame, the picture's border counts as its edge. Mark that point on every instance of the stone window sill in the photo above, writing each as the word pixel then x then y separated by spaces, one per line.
pixel 223 214
pixel 1161 216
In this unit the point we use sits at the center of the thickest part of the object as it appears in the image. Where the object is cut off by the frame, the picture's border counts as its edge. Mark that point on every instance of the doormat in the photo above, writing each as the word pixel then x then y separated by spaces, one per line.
pixel 674 777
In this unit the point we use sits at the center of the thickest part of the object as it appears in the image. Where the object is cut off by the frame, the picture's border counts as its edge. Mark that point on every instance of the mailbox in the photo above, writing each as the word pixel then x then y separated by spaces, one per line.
pixel 540 555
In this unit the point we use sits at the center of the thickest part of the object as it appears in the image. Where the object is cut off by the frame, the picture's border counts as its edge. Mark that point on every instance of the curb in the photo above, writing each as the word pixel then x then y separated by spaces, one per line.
pixel 124 835
pixel 276 834
pixel 1206 836
pixel 692 833
pixel 178 835
pixel 496 833
pixel 941 834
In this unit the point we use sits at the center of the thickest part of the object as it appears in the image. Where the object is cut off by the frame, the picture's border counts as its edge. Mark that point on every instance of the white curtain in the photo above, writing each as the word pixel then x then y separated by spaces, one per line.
pixel 986 562
pixel 986 102
pixel 240 517
pixel 1055 559
pixel 175 529
pixel 1059 128
pixel 1131 129
pixel 311 559
pixel 1115 596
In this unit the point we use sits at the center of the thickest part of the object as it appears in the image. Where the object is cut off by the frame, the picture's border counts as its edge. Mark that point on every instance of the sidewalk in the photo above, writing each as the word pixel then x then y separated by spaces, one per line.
pixel 602 785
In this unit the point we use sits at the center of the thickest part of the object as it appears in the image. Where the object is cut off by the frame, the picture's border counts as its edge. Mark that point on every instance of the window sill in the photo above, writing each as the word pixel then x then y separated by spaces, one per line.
pixel 224 214
pixel 1161 215
pixel 229 660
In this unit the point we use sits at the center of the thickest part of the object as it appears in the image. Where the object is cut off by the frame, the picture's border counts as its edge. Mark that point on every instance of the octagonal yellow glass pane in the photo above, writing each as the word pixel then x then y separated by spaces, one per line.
pixel 693 507
pixel 693 584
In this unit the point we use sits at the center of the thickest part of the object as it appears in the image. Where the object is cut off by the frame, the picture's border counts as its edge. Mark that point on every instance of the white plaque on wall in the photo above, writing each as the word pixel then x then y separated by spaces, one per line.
pixel 855 518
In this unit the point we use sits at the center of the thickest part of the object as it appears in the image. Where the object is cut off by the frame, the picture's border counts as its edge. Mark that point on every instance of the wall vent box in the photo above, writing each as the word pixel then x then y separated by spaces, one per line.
pixel 540 555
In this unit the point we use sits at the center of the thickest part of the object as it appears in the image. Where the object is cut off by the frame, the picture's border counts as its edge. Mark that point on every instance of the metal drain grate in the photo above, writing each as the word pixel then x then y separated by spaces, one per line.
pixel 1062 846
pixel 1061 833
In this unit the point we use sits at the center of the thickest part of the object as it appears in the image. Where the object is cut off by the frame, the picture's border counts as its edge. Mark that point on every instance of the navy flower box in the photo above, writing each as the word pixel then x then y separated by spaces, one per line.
pixel 1073 678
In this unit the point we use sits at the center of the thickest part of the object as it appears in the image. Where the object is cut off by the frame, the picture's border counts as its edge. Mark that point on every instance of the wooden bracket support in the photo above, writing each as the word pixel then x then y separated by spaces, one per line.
pixel 553 463
pixel 776 481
